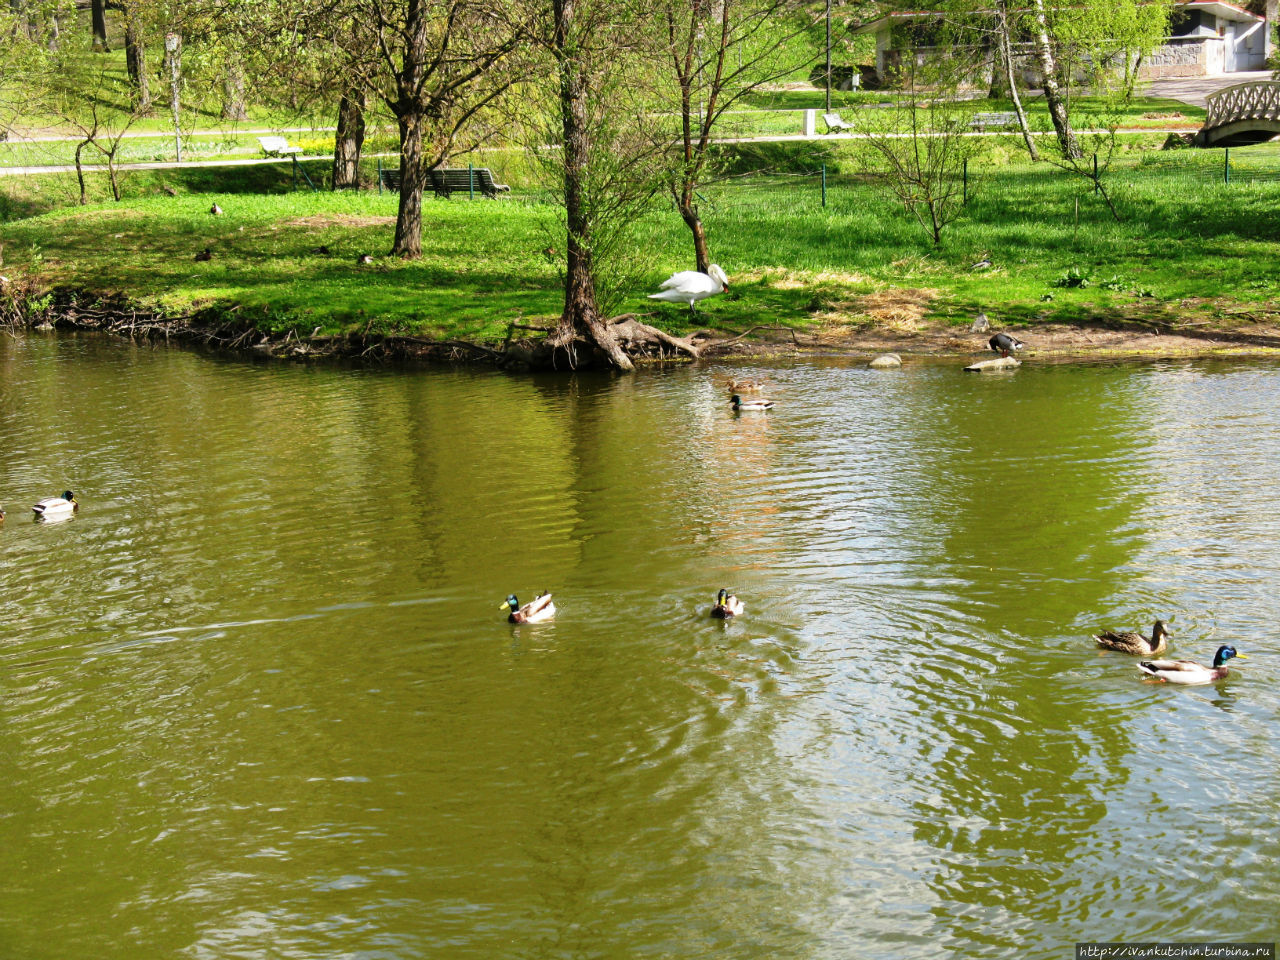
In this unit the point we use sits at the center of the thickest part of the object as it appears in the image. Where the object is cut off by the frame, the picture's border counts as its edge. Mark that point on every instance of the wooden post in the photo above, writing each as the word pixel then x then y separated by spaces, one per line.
pixel 824 186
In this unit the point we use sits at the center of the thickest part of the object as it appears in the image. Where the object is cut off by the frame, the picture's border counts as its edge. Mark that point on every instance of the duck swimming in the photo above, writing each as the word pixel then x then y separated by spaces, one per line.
pixel 1136 643
pixel 1188 671
pixel 727 605
pixel 57 508
pixel 538 610
pixel 751 403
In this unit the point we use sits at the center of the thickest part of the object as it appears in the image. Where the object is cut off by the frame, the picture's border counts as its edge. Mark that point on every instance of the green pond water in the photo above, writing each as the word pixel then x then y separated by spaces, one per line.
pixel 258 700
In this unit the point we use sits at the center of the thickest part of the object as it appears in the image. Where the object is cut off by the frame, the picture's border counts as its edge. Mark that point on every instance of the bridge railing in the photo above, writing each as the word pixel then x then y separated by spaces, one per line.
pixel 1244 101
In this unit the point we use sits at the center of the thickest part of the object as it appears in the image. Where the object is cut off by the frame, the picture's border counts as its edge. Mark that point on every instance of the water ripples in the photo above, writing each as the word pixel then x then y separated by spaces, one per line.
pixel 268 652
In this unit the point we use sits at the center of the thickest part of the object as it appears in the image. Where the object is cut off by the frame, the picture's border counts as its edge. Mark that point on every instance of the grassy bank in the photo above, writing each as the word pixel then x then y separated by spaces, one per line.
pixel 1190 246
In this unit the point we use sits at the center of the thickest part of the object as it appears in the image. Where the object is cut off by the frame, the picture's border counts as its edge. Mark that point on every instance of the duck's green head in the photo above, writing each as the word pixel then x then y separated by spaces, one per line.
pixel 722 596
pixel 735 400
pixel 68 496
pixel 510 603
pixel 1225 653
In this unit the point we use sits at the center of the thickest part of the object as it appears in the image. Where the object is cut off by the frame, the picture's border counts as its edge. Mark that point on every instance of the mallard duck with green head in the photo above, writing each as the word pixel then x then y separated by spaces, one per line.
pixel 1189 672
pixel 727 605
pixel 57 508
pixel 538 610
pixel 1135 643
pixel 750 403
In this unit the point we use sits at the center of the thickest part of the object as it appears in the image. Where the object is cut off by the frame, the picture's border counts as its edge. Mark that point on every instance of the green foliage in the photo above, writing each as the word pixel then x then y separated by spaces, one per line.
pixel 1073 277
pixel 1186 236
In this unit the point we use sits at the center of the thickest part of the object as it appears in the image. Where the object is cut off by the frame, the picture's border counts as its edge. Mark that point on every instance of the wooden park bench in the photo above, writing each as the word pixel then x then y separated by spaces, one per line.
pixel 447 181
pixel 277 147
pixel 998 120
pixel 835 124
pixel 469 181
pixel 389 179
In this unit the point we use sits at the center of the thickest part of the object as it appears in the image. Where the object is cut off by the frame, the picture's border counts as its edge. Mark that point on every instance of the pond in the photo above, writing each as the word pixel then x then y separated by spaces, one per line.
pixel 258 698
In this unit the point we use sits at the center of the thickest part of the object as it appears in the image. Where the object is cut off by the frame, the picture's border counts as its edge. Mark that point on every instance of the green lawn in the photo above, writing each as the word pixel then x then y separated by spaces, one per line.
pixel 1189 245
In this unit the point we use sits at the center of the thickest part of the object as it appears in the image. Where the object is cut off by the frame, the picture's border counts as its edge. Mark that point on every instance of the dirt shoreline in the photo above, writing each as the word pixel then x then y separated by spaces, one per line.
pixel 922 339
pixel 1059 342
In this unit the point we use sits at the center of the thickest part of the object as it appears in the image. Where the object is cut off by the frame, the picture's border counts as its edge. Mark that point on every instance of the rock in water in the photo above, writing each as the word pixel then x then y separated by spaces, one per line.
pixel 886 361
pixel 996 363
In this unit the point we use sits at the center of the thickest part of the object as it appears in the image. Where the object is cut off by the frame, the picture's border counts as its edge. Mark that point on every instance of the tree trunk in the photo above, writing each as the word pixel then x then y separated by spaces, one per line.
pixel 1052 93
pixel 349 140
pixel 1269 37
pixel 84 199
pixel 409 116
pixel 21 20
pixel 113 175
pixel 98 18
pixel 408 242
pixel 55 32
pixel 233 107
pixel 135 56
pixel 689 212
pixel 1006 60
pixel 581 313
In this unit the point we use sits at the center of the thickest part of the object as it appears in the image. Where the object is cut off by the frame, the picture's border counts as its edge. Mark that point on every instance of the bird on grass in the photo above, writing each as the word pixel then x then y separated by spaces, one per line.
pixel 322 250
pixel 690 286
pixel 1188 672
pixel 727 605
pixel 204 256
pixel 537 610
pixel 983 264
pixel 751 403
pixel 57 508
pixel 215 210
pixel 1136 643
pixel 364 258
pixel 1002 343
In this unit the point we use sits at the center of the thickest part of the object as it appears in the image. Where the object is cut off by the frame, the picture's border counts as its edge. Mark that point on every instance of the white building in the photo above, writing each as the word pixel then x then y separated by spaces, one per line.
pixel 1207 38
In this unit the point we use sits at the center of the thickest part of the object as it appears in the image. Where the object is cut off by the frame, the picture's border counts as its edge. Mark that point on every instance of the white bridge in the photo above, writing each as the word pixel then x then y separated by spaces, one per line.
pixel 1240 115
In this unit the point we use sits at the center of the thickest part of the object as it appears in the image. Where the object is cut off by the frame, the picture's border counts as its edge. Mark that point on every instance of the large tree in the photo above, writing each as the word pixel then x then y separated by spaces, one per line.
pixel 435 64
pixel 607 167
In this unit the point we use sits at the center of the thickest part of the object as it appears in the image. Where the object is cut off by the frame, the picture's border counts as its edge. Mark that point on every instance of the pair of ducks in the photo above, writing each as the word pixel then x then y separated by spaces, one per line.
pixel 541 609
pixel 54 508
pixel 755 401
pixel 1185 672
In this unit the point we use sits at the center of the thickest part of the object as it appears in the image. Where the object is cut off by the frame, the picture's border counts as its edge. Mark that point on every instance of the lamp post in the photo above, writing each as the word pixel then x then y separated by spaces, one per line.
pixel 828 56
pixel 172 44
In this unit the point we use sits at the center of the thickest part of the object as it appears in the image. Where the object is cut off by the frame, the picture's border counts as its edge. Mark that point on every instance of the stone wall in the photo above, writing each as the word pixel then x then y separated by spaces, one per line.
pixel 1182 58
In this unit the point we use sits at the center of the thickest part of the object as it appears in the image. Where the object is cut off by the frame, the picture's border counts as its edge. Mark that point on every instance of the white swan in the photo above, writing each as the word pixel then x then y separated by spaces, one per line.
pixel 57 508
pixel 690 286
